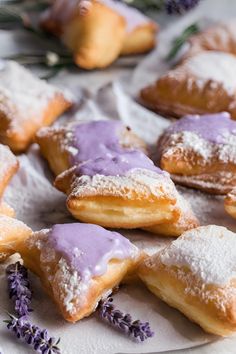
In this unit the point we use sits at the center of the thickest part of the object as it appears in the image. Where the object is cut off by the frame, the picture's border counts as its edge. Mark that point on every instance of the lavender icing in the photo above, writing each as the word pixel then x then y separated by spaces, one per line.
pixel 100 151
pixel 88 248
pixel 215 128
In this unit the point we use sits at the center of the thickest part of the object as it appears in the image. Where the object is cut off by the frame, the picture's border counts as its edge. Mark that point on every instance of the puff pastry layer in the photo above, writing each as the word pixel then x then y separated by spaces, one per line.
pixel 186 221
pixel 8 167
pixel 200 152
pixel 230 203
pixel 27 104
pixel 196 275
pixel 12 233
pixel 203 83
pixel 74 272
pixel 98 35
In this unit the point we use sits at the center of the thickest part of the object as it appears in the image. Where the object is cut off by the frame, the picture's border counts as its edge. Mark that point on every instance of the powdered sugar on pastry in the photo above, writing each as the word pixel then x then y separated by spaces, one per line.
pixel 7 161
pixel 208 251
pixel 23 95
pixel 137 183
pixel 212 65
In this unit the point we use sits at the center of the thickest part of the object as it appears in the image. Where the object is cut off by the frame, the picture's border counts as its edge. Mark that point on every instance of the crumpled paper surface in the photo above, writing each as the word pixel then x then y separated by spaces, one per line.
pixel 40 205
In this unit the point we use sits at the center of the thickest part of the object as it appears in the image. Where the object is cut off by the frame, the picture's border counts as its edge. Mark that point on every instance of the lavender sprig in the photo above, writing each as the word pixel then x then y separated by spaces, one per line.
pixel 33 335
pixel 19 288
pixel 179 7
pixel 136 329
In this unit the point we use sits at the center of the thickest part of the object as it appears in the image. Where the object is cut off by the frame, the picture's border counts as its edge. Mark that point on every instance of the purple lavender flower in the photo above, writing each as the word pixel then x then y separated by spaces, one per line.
pixel 180 6
pixel 19 288
pixel 33 335
pixel 136 329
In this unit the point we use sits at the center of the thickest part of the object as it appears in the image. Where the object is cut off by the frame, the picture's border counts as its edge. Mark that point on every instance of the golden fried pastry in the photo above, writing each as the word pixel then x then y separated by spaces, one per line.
pixel 79 264
pixel 230 203
pixel 220 37
pixel 101 32
pixel 6 209
pixel 200 152
pixel 196 275
pixel 8 166
pixel 27 104
pixel 12 233
pixel 65 142
pixel 204 83
pixel 186 221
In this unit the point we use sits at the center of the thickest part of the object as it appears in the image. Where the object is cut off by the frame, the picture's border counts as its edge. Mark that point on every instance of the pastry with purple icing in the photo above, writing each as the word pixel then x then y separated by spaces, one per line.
pixel 196 275
pixel 79 264
pixel 230 203
pixel 112 183
pixel 200 152
pixel 201 84
pixel 99 31
pixel 77 142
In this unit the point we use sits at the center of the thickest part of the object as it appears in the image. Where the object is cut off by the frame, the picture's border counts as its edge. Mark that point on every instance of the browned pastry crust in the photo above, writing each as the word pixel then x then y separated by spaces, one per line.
pixel 99 35
pixel 27 104
pixel 177 276
pixel 230 203
pixel 220 37
pixel 58 141
pixel 6 209
pixel 58 278
pixel 12 233
pixel 197 163
pixel 201 84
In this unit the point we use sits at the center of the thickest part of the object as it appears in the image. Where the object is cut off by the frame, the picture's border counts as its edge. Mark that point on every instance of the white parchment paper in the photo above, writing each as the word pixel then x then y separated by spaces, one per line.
pixel 40 205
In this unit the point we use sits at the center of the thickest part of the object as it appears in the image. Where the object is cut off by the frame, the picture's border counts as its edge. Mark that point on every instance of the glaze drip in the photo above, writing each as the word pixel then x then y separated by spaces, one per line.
pixel 88 248
pixel 100 151
pixel 215 128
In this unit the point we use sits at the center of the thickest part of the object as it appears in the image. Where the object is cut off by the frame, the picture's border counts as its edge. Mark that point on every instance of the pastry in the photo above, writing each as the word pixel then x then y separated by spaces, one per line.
pixel 204 83
pixel 111 181
pixel 200 152
pixel 196 275
pixel 8 166
pixel 12 233
pixel 76 142
pixel 230 203
pixel 219 37
pixel 186 221
pixel 79 264
pixel 98 35
pixel 27 104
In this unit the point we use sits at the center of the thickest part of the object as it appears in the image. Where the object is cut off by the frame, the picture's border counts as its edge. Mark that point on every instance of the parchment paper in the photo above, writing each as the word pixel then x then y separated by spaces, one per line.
pixel 40 205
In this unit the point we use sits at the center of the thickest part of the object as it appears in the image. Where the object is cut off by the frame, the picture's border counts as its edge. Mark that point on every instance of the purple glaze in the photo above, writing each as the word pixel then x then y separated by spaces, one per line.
pixel 212 127
pixel 117 164
pixel 88 248
pixel 99 151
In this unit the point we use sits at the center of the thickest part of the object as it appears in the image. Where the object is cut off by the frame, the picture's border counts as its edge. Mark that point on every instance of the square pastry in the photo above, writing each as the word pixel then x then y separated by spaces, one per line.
pixel 203 83
pixel 200 152
pixel 12 233
pixel 26 104
pixel 196 274
pixel 79 264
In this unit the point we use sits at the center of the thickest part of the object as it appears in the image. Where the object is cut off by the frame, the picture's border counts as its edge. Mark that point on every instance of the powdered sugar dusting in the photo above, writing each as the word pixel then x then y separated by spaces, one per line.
pixel 212 65
pixel 7 161
pixel 22 95
pixel 137 183
pixel 208 251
